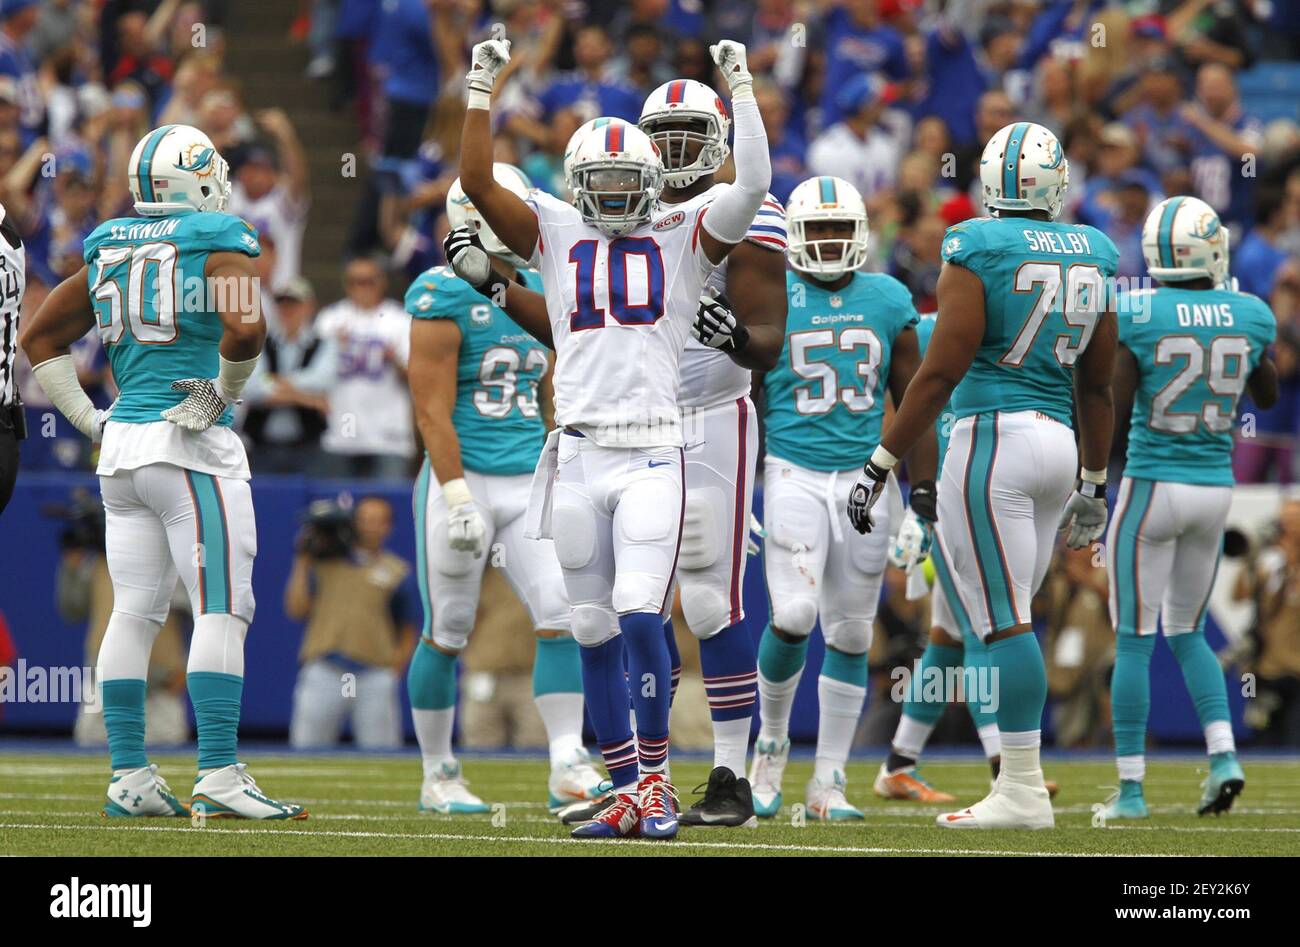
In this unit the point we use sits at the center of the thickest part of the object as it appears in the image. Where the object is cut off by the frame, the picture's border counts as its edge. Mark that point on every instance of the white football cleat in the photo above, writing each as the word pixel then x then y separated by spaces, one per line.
pixel 574 780
pixel 446 791
pixel 142 792
pixel 231 793
pixel 1013 805
pixel 765 772
pixel 827 802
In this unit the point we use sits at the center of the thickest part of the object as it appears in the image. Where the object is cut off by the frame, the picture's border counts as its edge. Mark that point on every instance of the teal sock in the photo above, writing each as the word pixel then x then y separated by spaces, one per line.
pixel 846 668
pixel 1022 682
pixel 1130 692
pixel 780 660
pixel 431 679
pixel 940 657
pixel 123 708
pixel 216 698
pixel 976 661
pixel 557 667
pixel 1202 674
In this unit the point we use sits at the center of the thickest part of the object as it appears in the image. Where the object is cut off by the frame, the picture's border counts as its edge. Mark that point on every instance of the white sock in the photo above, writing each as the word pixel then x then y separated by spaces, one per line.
pixel 124 650
pixel 775 700
pixel 1131 767
pixel 217 645
pixel 1218 737
pixel 911 736
pixel 990 740
pixel 561 714
pixel 433 730
pixel 1020 758
pixel 730 743
pixel 841 705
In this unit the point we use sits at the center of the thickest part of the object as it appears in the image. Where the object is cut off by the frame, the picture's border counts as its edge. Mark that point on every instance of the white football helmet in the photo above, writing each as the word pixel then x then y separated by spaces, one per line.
pixel 176 169
pixel 1183 239
pixel 826 198
pixel 681 101
pixel 462 213
pixel 1024 168
pixel 615 175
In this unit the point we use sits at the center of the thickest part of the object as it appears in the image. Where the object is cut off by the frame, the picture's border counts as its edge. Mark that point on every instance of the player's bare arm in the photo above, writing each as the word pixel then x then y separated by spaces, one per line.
pixel 756 288
pixel 243 327
pixel 508 216
pixel 905 361
pixel 435 350
pixel 1263 383
pixel 1093 398
pixel 1124 388
pixel 472 263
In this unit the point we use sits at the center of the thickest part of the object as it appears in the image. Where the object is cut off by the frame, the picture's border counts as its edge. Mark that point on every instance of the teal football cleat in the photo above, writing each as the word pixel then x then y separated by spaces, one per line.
pixel 142 793
pixel 826 801
pixel 1127 802
pixel 446 792
pixel 765 773
pixel 1222 786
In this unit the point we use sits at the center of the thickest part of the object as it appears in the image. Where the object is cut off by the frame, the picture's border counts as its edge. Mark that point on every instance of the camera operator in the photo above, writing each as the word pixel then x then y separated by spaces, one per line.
pixel 84 593
pixel 360 609
pixel 1272 580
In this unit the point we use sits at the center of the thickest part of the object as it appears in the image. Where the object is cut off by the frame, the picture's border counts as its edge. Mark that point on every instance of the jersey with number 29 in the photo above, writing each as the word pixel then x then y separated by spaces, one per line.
pixel 1195 349
pixel 621 311
pixel 1045 286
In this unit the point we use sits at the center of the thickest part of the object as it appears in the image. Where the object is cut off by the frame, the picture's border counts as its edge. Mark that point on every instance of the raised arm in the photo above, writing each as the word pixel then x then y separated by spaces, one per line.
pixel 471 263
pixel 509 217
pixel 64 317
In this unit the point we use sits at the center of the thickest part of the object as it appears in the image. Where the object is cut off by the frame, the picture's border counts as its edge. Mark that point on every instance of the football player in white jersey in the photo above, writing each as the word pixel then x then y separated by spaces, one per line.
pixel 182 343
pixel 622 279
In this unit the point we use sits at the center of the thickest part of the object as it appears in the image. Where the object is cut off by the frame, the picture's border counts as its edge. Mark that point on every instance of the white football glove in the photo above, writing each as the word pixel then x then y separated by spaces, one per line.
pixel 1084 516
pixel 866 491
pixel 98 421
pixel 756 532
pixel 465 530
pixel 915 536
pixel 204 403
pixel 716 325
pixel 729 56
pixel 487 59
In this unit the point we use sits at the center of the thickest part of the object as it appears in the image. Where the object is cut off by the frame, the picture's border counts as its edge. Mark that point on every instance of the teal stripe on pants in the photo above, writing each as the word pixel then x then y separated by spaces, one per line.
pixel 949 589
pixel 214 543
pixel 1128 599
pixel 998 597
pixel 420 500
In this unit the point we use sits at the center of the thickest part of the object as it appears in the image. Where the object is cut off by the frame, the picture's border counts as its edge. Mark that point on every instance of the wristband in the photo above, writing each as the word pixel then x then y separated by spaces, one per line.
pixel 478 99
pixel 883 459
pixel 455 493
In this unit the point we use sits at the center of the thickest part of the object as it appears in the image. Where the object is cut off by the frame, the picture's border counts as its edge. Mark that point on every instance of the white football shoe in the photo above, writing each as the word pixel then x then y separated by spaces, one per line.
pixel 827 802
pixel 231 793
pixel 575 779
pixel 765 772
pixel 446 791
pixel 1012 805
pixel 142 792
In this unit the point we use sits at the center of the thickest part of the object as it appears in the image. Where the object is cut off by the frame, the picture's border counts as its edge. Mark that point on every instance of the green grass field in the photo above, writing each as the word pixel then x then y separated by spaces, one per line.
pixel 365 805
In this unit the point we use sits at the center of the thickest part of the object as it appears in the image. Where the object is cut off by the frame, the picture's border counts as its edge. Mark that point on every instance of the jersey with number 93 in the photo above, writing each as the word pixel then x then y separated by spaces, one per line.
pixel 500 366
pixel 621 311
pixel 158 315
pixel 826 397
pixel 1195 349
pixel 1045 286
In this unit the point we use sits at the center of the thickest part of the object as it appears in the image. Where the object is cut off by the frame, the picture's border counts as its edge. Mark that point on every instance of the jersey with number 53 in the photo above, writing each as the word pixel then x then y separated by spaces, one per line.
pixel 1195 349
pixel 1045 287
pixel 500 366
pixel 159 319
pixel 621 311
pixel 826 397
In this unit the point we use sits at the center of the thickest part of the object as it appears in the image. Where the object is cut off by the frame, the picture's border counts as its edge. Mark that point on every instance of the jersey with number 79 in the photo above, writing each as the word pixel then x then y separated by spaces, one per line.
pixel 621 311
pixel 1195 349
pixel 1045 286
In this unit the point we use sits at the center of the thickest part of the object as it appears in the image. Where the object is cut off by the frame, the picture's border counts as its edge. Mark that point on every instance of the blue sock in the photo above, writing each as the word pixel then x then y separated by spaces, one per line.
pixel 1022 682
pixel 730 669
pixel 123 708
pixel 604 685
pixel 431 678
pixel 650 679
pixel 940 658
pixel 780 660
pixel 216 698
pixel 1130 692
pixel 674 659
pixel 1202 674
pixel 557 667
pixel 976 661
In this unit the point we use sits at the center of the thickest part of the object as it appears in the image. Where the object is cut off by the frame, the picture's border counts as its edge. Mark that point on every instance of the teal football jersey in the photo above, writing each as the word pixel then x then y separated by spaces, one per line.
pixel 1029 269
pixel 1194 350
pixel 942 424
pixel 496 414
pixel 825 399
pixel 158 315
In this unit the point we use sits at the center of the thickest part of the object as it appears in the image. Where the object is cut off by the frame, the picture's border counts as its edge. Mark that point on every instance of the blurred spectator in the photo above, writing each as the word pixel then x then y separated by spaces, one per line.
pixel 270 192
pixel 1117 162
pixel 1255 261
pixel 785 145
pixel 867 146
pixel 361 612
pixel 1267 439
pixel 591 88
pixel 1225 145
pixel 362 372
pixel 1078 646
pixel 142 52
pixel 1122 220
pixel 404 54
pixel 17 19
pixel 857 44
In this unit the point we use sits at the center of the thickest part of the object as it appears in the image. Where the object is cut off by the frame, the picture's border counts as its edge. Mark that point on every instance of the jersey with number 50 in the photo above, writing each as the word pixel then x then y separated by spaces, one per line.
pixel 825 399
pixel 621 311
pixel 1045 287
pixel 1195 349
pixel 499 368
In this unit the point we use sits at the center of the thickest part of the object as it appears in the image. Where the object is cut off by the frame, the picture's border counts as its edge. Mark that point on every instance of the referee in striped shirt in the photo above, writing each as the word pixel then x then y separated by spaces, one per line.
pixel 13 281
